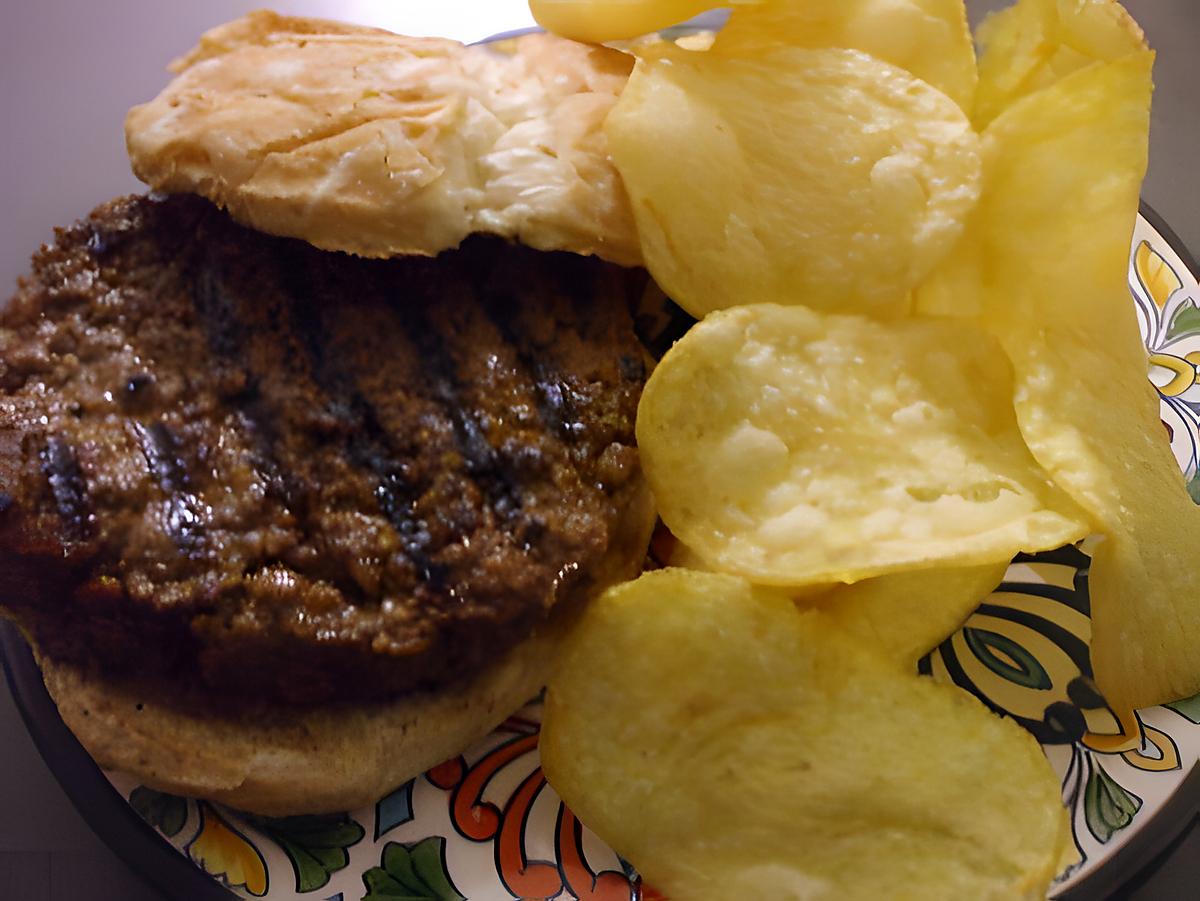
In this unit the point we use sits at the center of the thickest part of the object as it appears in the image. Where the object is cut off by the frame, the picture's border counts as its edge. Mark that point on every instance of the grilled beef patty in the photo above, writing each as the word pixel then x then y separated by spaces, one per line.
pixel 278 473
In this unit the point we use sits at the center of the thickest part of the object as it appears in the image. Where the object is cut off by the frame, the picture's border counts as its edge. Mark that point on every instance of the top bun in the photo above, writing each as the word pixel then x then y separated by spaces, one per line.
pixel 359 140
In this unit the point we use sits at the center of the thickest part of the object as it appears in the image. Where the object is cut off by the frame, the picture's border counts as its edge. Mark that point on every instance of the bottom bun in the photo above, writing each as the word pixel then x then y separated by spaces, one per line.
pixel 285 762
pixel 281 762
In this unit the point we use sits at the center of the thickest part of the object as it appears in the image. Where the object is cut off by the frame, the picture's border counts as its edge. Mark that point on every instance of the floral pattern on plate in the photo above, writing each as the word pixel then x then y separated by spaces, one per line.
pixel 482 825
pixel 486 826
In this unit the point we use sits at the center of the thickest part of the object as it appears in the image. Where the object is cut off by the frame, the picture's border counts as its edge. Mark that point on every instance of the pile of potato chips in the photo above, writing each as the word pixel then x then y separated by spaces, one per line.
pixel 917 357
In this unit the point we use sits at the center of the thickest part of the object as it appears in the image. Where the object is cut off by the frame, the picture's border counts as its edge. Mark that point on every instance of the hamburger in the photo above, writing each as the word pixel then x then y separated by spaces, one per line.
pixel 309 456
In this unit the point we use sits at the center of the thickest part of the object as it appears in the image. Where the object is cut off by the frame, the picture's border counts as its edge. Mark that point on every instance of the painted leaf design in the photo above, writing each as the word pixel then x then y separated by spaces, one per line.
pixel 1006 658
pixel 411 872
pixel 166 813
pixel 1186 321
pixel 316 845
pixel 1108 808
pixel 1158 278
pixel 1189 708
pixel 222 851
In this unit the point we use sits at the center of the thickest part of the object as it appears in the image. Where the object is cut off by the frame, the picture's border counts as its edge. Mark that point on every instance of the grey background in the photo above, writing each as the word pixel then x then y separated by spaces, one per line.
pixel 69 71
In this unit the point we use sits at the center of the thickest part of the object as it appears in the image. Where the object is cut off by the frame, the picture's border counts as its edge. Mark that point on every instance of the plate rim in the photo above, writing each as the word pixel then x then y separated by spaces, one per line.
pixel 107 813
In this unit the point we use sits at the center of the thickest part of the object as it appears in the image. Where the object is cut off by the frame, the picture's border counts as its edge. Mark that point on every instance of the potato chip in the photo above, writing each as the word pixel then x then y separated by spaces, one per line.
pixel 928 38
pixel 906 615
pixel 823 177
pixel 786 760
pixel 1053 234
pixel 1034 43
pixel 798 448
pixel 699 40
pixel 599 21
pixel 683 557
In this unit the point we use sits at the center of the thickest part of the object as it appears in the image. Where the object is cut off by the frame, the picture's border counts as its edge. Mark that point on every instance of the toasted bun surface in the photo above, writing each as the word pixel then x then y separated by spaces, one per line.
pixel 363 141
pixel 286 761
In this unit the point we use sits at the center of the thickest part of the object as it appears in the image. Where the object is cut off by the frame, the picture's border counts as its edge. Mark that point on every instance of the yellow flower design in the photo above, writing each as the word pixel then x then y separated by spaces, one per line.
pixel 222 851
pixel 1157 277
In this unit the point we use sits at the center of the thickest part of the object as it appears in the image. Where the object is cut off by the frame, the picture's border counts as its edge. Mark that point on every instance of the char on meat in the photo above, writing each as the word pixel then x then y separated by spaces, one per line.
pixel 281 473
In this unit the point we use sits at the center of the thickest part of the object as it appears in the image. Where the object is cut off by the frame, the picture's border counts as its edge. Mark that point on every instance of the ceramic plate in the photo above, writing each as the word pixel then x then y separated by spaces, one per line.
pixel 486 826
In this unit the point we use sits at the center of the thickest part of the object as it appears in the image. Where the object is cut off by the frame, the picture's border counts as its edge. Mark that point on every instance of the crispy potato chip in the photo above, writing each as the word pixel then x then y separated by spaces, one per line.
pixel 683 557
pixel 928 38
pixel 1049 249
pixel 823 177
pixel 905 615
pixel 797 448
pixel 1034 43
pixel 700 40
pixel 787 760
pixel 599 21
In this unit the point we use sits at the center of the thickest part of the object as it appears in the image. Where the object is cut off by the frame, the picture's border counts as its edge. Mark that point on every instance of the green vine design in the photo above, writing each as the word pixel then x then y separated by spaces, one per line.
pixel 166 813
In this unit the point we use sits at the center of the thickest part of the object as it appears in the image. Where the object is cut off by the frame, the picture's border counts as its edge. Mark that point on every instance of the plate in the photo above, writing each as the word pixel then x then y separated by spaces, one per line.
pixel 486 825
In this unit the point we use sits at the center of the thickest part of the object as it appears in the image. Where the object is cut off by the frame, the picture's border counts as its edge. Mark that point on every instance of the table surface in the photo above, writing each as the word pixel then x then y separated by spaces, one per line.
pixel 70 69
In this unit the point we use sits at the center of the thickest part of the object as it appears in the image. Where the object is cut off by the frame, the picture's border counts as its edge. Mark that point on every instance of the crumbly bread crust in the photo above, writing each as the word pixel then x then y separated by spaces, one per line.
pixel 363 141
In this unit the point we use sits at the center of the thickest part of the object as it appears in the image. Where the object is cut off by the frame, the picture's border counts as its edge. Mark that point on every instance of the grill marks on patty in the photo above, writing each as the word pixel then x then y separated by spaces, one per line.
pixel 66 486
pixel 323 476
